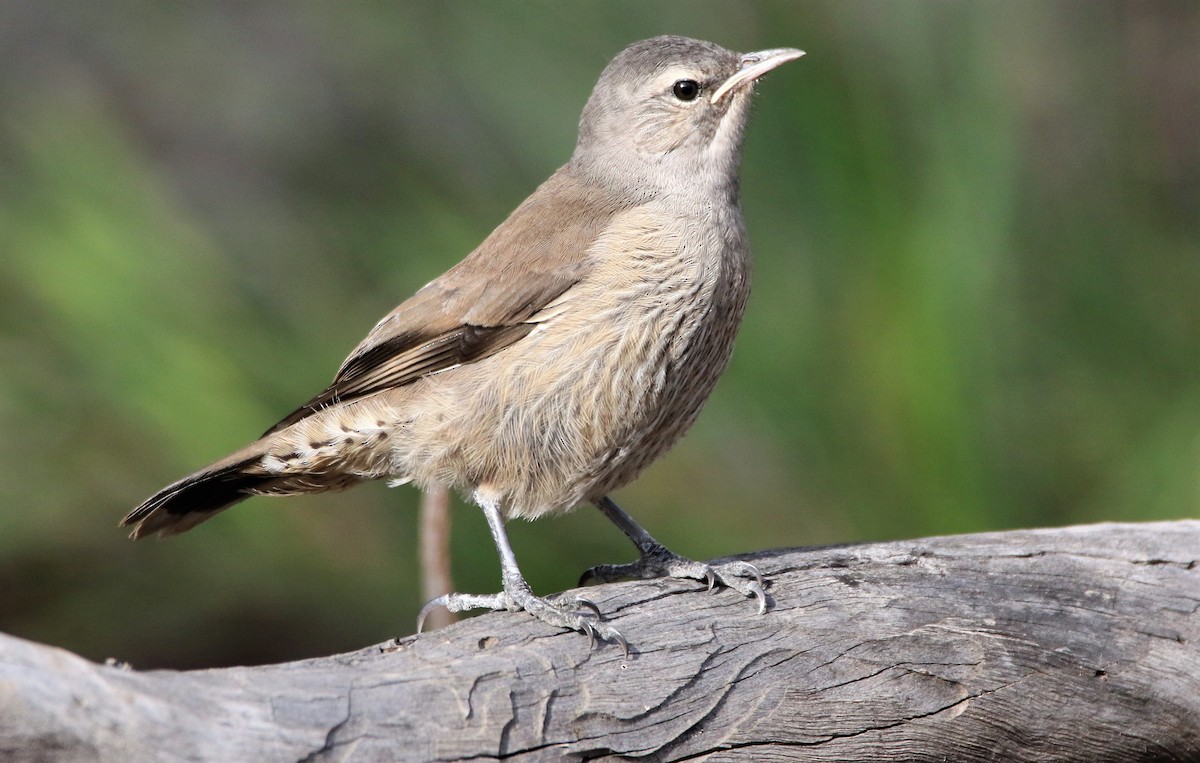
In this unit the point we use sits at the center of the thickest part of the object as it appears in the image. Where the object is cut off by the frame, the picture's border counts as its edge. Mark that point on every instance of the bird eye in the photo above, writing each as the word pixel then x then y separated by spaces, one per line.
pixel 686 89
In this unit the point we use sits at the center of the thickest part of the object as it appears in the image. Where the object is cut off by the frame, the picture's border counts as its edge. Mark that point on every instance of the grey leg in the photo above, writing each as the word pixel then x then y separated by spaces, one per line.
pixel 517 594
pixel 659 561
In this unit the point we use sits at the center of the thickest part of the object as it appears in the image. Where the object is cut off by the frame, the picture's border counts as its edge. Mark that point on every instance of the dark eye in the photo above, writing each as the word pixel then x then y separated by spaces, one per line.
pixel 686 89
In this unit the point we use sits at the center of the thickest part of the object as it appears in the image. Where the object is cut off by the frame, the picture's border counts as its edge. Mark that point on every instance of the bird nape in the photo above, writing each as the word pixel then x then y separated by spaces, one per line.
pixel 567 352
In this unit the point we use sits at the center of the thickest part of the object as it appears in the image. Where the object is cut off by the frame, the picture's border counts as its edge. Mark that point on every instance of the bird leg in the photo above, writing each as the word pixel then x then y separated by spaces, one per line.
pixel 659 561
pixel 517 595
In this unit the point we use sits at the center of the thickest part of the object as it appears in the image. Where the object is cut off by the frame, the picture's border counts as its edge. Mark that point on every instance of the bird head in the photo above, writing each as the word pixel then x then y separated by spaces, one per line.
pixel 668 114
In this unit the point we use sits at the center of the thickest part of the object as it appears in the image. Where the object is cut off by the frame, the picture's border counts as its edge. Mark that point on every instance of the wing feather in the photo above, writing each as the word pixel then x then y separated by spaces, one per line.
pixel 483 304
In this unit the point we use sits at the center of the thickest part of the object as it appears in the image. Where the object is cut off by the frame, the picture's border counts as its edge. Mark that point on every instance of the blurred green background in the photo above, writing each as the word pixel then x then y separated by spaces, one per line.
pixel 976 305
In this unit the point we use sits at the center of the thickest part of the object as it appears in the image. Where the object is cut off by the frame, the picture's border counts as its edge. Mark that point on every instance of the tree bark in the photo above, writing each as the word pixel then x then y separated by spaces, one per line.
pixel 1073 644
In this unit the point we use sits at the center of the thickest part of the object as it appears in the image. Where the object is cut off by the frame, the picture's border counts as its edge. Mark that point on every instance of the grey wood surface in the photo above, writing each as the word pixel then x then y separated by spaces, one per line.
pixel 1073 644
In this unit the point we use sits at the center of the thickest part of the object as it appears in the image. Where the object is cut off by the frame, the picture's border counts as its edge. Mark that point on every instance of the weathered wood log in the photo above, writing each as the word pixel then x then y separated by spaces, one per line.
pixel 1075 644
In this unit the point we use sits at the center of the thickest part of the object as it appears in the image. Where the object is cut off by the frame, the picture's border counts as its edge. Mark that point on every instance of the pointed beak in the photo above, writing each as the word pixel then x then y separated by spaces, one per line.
pixel 755 65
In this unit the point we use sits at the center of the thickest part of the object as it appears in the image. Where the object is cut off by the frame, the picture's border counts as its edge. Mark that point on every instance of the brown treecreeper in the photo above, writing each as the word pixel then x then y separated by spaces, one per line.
pixel 573 347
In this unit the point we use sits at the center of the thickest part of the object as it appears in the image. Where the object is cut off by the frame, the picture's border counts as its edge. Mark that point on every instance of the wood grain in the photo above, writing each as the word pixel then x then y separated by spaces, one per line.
pixel 1073 644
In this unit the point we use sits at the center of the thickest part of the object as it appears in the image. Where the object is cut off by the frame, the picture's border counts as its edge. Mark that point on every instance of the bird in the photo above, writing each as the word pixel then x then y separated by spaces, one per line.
pixel 574 346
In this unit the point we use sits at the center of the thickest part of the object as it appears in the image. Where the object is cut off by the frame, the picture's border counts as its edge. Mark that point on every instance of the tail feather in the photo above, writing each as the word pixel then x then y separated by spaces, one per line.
pixel 182 505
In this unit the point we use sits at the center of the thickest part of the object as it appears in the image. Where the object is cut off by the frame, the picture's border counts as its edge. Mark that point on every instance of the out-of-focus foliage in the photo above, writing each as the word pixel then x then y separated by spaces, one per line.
pixel 977 301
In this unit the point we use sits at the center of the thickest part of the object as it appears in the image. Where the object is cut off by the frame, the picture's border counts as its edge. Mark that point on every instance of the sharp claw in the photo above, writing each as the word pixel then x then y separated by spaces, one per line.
pixel 758 578
pixel 590 605
pixel 430 605
pixel 757 592
pixel 588 576
pixel 617 637
pixel 711 577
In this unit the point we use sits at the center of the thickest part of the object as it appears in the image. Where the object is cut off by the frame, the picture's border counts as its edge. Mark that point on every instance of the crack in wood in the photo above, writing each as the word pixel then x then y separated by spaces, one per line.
pixel 1074 644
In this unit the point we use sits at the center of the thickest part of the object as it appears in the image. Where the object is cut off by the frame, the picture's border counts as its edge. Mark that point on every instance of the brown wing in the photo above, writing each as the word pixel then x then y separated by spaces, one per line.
pixel 482 304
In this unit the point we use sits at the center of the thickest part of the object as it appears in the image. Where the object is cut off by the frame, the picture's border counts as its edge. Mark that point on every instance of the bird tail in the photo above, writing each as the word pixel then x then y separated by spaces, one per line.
pixel 186 503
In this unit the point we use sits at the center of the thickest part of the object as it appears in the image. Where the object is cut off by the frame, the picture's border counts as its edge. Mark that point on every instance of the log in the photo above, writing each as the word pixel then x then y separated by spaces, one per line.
pixel 1072 644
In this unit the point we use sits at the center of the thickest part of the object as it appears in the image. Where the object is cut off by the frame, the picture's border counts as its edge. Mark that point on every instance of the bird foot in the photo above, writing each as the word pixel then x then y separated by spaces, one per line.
pixel 659 561
pixel 561 612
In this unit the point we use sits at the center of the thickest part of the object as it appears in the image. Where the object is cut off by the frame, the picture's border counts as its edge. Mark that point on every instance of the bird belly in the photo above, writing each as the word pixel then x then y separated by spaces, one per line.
pixel 601 388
